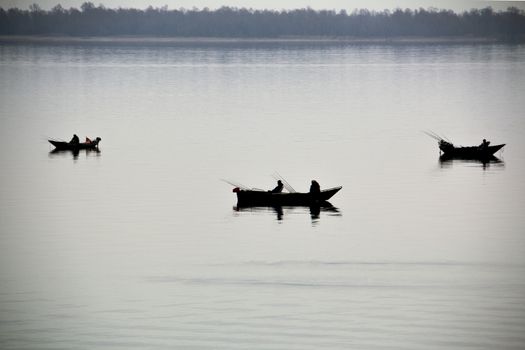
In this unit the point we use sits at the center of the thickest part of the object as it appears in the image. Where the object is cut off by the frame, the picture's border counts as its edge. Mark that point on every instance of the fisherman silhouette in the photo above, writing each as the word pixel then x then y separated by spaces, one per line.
pixel 484 144
pixel 278 188
pixel 315 189
pixel 75 140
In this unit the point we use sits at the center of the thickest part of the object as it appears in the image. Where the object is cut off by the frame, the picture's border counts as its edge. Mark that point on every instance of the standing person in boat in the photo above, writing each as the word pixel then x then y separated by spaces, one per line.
pixel 278 188
pixel 484 144
pixel 75 140
pixel 315 189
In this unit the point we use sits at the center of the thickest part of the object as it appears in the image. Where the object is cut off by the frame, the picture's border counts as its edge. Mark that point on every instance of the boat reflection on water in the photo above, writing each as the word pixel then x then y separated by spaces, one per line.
pixel 74 152
pixel 485 163
pixel 278 210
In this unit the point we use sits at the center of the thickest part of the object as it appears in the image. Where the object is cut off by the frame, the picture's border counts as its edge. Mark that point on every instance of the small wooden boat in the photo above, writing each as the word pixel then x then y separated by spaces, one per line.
pixel 471 152
pixel 267 198
pixel 63 145
pixel 450 151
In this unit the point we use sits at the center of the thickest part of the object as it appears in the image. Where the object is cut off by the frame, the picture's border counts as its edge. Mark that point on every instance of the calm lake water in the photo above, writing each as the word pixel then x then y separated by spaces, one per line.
pixel 140 245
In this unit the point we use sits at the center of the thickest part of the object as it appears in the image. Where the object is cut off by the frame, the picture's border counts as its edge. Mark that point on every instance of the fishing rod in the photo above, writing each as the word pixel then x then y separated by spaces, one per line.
pixel 447 139
pixel 47 138
pixel 286 185
pixel 437 136
pixel 433 135
pixel 236 184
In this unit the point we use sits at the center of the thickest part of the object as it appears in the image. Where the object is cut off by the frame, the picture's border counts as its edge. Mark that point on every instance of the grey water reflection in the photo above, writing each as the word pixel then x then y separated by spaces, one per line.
pixel 423 258
pixel 492 162
pixel 63 153
pixel 315 211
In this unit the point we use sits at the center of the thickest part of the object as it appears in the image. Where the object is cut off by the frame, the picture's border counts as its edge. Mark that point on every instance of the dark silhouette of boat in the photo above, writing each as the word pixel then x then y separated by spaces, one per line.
pixel 247 197
pixel 482 152
pixel 471 152
pixel 67 146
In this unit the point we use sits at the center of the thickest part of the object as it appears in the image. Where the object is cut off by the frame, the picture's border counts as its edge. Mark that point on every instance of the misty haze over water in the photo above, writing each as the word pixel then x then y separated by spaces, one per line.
pixel 141 245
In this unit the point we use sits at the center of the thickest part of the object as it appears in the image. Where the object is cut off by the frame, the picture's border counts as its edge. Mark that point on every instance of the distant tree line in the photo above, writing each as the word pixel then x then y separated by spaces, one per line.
pixel 91 20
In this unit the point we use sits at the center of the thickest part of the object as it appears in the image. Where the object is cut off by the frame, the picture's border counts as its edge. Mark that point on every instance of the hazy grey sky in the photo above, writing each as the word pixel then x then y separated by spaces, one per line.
pixel 456 5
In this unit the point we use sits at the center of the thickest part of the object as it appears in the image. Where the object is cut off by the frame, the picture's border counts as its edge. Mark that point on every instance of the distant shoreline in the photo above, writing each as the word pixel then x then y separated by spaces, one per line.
pixel 35 39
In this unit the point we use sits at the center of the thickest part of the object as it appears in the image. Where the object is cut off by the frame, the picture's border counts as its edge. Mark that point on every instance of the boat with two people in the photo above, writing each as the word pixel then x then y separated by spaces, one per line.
pixel 75 144
pixel 257 197
pixel 450 151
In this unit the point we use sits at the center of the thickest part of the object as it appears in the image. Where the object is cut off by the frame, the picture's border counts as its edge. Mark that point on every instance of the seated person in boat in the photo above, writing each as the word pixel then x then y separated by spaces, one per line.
pixel 445 146
pixel 484 144
pixel 278 188
pixel 75 140
pixel 93 142
pixel 315 189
